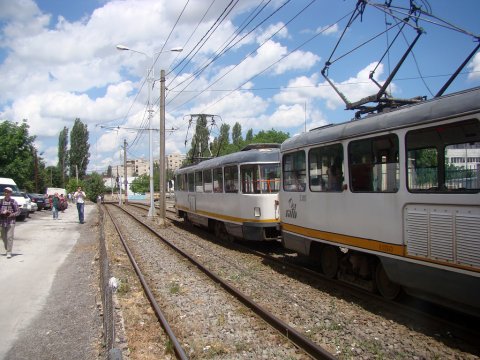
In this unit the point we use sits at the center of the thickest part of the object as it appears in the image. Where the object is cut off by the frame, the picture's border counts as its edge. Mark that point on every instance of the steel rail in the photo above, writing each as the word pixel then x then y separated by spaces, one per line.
pixel 304 343
pixel 464 325
pixel 158 312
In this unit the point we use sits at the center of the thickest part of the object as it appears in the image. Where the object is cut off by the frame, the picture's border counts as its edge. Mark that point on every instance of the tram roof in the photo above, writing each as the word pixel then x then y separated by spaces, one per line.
pixel 262 155
pixel 446 106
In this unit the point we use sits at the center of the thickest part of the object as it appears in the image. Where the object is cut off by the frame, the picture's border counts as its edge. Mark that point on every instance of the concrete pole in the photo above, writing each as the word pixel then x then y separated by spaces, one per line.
pixel 125 169
pixel 161 200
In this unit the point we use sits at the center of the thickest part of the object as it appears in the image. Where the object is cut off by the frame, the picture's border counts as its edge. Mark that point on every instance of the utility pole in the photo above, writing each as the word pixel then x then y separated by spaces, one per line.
pixel 119 184
pixel 125 169
pixel 161 200
pixel 36 169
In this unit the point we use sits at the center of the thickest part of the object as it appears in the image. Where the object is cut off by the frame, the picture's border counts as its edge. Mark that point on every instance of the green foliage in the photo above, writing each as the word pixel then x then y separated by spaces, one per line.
pixel 79 146
pixel 249 136
pixel 17 154
pixel 141 184
pixel 221 142
pixel 269 137
pixel 199 145
pixel 237 139
pixel 53 177
pixel 73 185
pixel 94 186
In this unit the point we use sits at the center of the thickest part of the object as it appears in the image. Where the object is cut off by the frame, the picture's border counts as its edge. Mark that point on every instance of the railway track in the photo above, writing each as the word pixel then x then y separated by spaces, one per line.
pixel 298 340
pixel 446 326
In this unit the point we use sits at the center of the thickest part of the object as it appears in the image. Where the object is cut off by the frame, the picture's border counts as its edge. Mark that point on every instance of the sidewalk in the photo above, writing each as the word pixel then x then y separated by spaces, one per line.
pixel 49 289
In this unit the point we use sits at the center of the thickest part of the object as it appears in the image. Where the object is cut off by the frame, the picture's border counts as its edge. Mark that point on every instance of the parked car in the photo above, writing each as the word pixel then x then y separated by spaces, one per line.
pixel 47 204
pixel 38 199
pixel 28 201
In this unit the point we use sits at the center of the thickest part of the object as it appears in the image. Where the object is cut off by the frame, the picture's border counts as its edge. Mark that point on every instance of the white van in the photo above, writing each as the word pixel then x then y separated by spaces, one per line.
pixel 52 191
pixel 19 198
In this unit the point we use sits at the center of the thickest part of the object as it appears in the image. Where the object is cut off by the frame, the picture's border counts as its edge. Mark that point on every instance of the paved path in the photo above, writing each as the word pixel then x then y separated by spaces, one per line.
pixel 41 248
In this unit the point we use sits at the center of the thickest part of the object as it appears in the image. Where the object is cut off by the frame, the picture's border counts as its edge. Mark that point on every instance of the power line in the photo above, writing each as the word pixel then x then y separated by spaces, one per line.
pixel 252 52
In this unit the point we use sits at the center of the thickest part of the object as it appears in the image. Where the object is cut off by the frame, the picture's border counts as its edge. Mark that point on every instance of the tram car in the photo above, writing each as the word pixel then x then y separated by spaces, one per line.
pixel 391 202
pixel 235 196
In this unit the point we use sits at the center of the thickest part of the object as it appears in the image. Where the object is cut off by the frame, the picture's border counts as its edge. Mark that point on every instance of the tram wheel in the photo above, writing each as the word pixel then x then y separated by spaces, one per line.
pixel 221 231
pixel 329 261
pixel 387 288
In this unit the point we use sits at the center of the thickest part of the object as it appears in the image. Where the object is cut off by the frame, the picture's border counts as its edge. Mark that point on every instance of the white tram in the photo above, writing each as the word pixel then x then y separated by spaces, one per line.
pixel 235 195
pixel 381 201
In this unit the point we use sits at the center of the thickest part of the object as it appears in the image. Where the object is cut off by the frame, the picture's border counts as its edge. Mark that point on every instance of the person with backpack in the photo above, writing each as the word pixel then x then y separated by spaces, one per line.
pixel 9 210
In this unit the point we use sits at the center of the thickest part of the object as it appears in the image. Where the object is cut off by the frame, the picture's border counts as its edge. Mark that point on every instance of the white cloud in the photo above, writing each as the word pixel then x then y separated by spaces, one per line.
pixel 474 67
pixel 328 30
pixel 278 29
pixel 304 88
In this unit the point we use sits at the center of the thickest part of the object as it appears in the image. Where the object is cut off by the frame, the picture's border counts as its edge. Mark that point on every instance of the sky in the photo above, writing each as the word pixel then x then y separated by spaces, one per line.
pixel 255 62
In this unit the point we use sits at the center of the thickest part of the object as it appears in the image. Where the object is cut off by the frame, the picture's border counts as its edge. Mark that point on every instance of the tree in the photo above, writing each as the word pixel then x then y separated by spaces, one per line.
pixel 63 153
pixel 109 171
pixel 53 177
pixel 79 146
pixel 141 184
pixel 220 143
pixel 73 185
pixel 17 154
pixel 94 186
pixel 249 136
pixel 237 139
pixel 270 137
pixel 199 146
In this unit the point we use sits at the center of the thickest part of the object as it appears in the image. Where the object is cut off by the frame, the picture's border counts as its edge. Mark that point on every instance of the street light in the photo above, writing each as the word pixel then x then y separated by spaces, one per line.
pixel 150 80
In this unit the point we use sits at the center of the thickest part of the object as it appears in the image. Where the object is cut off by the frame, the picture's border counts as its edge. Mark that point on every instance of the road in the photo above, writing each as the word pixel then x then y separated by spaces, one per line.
pixel 43 257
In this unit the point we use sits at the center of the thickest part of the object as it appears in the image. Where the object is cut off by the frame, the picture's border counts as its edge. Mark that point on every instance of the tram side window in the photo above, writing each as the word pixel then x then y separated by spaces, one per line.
pixel 191 182
pixel 218 180
pixel 269 178
pixel 198 181
pixel 294 171
pixel 231 179
pixel 180 182
pixel 207 181
pixel 250 179
pixel 326 168
pixel 444 158
pixel 374 164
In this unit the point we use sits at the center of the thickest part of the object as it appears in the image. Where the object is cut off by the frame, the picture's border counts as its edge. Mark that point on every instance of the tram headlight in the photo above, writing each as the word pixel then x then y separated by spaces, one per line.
pixel 257 212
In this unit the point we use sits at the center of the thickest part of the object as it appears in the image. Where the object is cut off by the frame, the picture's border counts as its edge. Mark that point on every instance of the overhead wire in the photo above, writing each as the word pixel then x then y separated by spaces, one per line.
pixel 253 51
pixel 208 33
pixel 190 37
pixel 276 62
pixel 225 46
pixel 143 124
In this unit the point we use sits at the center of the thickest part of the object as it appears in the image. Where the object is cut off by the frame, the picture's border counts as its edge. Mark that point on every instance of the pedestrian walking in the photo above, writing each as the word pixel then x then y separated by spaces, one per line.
pixel 55 206
pixel 9 210
pixel 79 197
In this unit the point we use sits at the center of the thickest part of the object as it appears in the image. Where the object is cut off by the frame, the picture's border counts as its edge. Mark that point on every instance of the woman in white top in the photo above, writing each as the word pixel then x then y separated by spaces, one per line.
pixel 79 197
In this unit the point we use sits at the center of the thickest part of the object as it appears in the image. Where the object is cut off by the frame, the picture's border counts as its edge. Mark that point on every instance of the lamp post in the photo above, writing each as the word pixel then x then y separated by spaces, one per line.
pixel 150 81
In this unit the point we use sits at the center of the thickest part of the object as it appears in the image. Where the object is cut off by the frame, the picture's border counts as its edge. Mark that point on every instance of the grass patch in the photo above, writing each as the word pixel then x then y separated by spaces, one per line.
pixel 174 288
pixel 123 287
